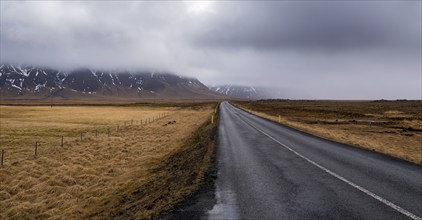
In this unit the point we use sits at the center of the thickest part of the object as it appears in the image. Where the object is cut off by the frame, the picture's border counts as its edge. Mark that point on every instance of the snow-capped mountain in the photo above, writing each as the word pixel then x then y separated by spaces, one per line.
pixel 18 81
pixel 245 92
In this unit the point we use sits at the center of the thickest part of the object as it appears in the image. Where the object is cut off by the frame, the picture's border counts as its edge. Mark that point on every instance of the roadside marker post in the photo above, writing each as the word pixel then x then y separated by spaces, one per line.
pixel 61 144
pixel 2 157
pixel 96 133
pixel 279 119
pixel 81 136
pixel 212 119
pixel 36 149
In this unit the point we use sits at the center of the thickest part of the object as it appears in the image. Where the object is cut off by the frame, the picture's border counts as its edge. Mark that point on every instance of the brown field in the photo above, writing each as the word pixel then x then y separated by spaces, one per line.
pixel 22 126
pixel 390 127
pixel 106 102
pixel 138 172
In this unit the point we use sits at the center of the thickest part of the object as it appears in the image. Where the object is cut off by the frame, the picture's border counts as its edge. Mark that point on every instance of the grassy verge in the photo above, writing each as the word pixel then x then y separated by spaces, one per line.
pixel 178 176
pixel 389 127
pixel 136 173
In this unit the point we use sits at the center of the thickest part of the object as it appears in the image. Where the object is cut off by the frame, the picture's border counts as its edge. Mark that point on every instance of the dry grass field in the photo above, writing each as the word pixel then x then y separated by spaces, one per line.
pixel 389 127
pixel 22 126
pixel 138 172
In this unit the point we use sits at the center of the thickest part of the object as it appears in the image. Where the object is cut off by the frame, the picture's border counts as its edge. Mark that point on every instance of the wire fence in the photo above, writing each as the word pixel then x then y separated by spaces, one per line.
pixel 106 131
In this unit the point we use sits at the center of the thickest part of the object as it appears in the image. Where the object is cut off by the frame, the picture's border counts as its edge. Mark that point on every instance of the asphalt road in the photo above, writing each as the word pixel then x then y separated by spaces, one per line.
pixel 269 171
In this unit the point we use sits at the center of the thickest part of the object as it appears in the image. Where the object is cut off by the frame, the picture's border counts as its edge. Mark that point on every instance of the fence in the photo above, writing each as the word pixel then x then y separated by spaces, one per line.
pixel 121 127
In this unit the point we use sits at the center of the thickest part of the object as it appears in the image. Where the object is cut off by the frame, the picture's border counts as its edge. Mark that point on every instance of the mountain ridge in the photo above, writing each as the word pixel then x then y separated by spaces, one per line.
pixel 22 81
pixel 245 92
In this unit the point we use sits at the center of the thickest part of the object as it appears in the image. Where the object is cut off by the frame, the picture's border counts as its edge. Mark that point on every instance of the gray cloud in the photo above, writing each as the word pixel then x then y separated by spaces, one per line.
pixel 353 50
pixel 314 25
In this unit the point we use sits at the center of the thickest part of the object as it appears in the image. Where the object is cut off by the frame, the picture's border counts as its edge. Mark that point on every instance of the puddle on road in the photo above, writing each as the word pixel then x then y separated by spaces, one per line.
pixel 226 206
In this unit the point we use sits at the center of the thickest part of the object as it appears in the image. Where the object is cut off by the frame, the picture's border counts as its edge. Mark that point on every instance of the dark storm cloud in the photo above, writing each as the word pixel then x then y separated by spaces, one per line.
pixel 313 25
pixel 326 49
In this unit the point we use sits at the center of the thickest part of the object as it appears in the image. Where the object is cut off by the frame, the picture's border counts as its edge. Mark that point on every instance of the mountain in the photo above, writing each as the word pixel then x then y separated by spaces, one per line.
pixel 246 92
pixel 21 82
pixel 259 92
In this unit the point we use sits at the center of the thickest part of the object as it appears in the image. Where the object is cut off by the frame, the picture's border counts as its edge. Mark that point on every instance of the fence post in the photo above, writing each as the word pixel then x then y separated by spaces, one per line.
pixel 96 133
pixel 81 136
pixel 36 149
pixel 2 157
pixel 61 144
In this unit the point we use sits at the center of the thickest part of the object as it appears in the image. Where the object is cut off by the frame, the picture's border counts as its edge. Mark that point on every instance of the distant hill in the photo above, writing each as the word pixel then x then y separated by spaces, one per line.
pixel 26 82
pixel 260 92
pixel 246 92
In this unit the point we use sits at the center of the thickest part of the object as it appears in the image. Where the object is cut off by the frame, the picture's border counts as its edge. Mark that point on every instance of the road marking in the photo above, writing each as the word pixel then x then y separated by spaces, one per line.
pixel 367 192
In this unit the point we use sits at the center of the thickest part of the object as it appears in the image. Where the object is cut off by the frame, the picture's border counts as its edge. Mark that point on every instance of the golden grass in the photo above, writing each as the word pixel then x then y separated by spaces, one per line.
pixel 95 177
pixel 400 136
pixel 22 126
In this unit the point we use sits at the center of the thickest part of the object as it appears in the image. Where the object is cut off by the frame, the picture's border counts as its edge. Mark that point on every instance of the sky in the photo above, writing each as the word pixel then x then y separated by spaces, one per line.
pixel 311 49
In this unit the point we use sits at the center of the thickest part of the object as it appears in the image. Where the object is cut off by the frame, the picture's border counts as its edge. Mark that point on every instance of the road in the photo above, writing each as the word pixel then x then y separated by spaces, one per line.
pixel 269 171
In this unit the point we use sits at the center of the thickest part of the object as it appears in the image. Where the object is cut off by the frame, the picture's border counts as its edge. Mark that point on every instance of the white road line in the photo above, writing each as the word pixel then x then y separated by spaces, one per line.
pixel 367 192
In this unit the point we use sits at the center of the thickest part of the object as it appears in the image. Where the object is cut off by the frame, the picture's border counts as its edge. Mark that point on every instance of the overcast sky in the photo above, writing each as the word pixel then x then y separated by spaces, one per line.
pixel 315 49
